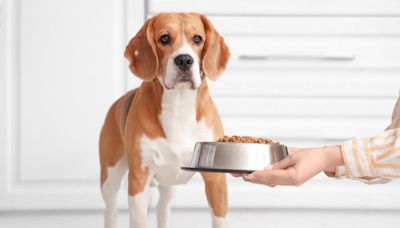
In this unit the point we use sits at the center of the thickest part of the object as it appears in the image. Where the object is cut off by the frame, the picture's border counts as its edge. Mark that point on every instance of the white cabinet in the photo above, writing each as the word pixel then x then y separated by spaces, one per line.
pixel 306 73
pixel 62 66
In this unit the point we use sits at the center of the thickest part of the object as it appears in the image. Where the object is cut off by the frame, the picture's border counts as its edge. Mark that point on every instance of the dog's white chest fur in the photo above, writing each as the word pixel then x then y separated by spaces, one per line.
pixel 165 156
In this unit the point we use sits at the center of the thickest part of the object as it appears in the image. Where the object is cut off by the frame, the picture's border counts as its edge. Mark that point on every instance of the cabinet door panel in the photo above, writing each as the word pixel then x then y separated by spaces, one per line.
pixel 62 67
pixel 65 81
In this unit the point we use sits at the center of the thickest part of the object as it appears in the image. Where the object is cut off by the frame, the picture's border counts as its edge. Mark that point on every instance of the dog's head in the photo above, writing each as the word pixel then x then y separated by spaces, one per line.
pixel 177 48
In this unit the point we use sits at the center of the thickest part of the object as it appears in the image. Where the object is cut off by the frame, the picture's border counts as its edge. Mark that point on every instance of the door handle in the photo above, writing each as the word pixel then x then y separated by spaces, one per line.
pixel 318 57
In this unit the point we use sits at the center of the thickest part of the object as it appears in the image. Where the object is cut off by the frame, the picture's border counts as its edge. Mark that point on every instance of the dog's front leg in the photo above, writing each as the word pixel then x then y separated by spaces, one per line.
pixel 138 202
pixel 163 207
pixel 217 196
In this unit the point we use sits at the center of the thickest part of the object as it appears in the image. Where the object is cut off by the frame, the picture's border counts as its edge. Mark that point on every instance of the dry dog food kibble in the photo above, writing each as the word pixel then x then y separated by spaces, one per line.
pixel 245 139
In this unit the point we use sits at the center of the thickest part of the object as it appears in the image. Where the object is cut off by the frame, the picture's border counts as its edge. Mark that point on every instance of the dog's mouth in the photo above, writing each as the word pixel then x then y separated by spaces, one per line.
pixel 182 77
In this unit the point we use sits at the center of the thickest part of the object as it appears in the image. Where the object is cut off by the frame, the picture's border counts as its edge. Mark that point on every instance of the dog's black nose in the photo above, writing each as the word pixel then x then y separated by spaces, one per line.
pixel 184 62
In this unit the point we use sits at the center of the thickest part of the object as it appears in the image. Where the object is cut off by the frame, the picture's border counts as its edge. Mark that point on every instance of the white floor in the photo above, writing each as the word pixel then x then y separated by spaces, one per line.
pixel 200 219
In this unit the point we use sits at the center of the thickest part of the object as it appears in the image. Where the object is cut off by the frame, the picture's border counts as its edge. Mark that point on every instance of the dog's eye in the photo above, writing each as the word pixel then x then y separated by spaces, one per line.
pixel 165 39
pixel 197 39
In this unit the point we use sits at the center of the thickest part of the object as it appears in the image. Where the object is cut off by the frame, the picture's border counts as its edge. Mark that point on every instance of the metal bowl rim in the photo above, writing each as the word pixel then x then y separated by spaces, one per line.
pixel 238 143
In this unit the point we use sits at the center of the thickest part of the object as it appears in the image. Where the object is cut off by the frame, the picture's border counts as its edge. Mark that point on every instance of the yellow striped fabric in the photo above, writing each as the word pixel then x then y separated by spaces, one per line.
pixel 374 159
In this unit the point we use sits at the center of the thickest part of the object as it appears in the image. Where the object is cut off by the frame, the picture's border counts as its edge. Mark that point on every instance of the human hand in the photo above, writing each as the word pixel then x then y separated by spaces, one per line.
pixel 298 167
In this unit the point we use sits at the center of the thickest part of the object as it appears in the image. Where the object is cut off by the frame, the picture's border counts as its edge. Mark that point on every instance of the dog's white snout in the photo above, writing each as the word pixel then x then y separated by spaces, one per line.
pixel 183 66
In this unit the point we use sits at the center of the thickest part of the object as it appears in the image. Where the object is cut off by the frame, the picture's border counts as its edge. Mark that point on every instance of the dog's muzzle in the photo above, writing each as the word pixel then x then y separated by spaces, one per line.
pixel 184 62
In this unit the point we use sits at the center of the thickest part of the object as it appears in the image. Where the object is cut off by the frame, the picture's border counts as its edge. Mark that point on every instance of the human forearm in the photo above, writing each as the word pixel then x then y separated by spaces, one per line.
pixel 332 157
pixel 329 156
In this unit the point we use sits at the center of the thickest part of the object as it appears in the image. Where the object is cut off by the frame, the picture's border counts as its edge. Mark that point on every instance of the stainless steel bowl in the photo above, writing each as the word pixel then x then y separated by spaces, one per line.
pixel 234 157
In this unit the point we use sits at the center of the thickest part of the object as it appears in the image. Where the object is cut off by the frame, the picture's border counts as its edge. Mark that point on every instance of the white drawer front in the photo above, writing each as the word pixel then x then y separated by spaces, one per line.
pixel 382 84
pixel 281 7
pixel 302 25
pixel 295 131
pixel 314 52
pixel 303 107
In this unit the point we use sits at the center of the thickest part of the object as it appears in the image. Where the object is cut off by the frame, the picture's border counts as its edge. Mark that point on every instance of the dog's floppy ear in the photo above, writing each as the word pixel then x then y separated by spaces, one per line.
pixel 215 52
pixel 142 53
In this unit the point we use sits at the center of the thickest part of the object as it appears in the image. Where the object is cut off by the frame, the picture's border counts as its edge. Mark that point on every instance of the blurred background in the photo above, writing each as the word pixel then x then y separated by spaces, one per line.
pixel 304 72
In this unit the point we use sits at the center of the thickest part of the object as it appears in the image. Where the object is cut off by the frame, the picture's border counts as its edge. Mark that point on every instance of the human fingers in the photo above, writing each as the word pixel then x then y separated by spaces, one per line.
pixel 236 174
pixel 284 163
pixel 250 179
pixel 274 177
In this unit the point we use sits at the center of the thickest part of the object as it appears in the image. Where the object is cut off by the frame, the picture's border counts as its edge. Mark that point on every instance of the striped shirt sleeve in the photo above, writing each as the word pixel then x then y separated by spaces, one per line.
pixel 372 160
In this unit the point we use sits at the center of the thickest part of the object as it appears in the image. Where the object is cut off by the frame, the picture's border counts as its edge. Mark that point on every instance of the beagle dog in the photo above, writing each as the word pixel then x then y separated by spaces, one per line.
pixel 151 131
